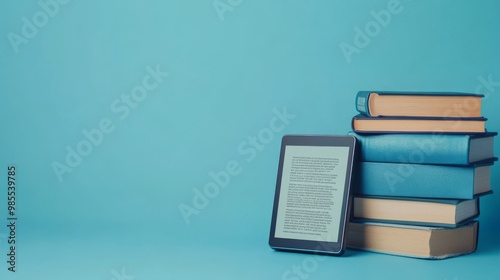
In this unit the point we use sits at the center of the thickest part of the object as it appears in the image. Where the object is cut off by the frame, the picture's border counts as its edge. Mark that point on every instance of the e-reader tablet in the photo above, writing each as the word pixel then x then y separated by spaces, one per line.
pixel 311 203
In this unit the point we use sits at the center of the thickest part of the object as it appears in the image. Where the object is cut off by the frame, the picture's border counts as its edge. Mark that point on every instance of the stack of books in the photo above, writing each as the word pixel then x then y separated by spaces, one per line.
pixel 425 158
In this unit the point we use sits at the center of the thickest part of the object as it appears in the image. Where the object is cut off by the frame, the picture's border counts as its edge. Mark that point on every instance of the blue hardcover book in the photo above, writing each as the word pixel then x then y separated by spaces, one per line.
pixel 420 180
pixel 419 104
pixel 443 149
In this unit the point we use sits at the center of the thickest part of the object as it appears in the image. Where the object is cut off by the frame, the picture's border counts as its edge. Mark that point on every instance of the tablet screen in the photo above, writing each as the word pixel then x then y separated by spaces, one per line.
pixel 312 193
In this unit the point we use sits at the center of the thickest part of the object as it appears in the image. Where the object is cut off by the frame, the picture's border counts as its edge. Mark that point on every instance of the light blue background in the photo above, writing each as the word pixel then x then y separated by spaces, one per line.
pixel 117 211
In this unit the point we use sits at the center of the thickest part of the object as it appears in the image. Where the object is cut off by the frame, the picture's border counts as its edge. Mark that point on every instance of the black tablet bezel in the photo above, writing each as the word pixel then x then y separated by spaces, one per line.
pixel 332 248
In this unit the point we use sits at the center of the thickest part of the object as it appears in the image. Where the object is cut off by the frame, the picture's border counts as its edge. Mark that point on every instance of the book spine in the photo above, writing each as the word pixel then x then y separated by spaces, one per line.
pixel 415 180
pixel 415 148
pixel 362 103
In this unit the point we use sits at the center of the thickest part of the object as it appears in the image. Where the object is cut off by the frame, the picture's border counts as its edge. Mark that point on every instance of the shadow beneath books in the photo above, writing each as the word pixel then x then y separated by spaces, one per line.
pixel 347 253
pixel 351 253
pixel 488 243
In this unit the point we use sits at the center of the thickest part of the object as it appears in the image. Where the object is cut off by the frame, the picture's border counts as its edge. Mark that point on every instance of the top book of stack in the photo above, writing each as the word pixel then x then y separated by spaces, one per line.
pixel 418 112
pixel 419 104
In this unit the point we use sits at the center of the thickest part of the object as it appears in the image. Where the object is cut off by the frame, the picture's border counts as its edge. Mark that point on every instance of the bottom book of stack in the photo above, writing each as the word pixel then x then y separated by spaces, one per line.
pixel 414 241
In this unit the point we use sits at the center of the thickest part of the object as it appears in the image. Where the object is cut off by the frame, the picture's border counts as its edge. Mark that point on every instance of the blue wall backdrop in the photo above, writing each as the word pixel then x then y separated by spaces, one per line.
pixel 117 114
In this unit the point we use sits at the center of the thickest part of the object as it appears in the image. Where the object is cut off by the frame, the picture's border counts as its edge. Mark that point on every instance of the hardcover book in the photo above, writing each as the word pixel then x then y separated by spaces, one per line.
pixel 414 241
pixel 419 104
pixel 445 149
pixel 364 124
pixel 431 212
pixel 424 181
